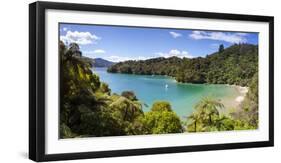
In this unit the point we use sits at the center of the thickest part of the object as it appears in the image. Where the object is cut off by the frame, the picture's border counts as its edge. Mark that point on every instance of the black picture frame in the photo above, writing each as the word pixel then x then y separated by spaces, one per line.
pixel 37 80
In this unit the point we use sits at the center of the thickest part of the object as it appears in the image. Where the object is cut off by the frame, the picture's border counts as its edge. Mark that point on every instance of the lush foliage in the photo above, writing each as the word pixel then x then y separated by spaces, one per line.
pixel 234 65
pixel 84 99
pixel 161 106
pixel 207 117
pixel 160 120
pixel 87 107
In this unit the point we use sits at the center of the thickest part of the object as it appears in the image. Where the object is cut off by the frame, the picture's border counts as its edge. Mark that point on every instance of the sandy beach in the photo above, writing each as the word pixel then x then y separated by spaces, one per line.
pixel 243 91
pixel 235 103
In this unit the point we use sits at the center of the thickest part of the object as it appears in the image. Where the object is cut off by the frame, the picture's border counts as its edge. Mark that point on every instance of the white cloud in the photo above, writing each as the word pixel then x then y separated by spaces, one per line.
pixel 242 34
pixel 99 51
pixel 64 29
pixel 176 53
pixel 115 58
pixel 221 36
pixel 141 58
pixel 175 34
pixel 81 38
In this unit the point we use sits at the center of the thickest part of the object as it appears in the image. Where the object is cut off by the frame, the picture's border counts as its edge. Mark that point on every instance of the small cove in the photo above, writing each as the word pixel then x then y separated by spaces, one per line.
pixel 182 96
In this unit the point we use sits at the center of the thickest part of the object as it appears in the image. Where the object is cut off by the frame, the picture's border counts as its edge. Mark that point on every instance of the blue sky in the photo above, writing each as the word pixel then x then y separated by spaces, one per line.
pixel 116 43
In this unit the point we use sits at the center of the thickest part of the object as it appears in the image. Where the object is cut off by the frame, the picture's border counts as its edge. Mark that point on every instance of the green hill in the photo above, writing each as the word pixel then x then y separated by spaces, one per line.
pixel 236 64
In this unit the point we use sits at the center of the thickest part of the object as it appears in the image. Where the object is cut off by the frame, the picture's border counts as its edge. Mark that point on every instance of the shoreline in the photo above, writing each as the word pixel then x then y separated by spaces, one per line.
pixel 237 101
pixel 242 92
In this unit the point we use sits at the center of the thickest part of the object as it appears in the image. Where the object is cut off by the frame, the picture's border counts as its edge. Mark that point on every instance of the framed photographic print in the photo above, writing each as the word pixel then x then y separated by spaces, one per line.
pixel 118 81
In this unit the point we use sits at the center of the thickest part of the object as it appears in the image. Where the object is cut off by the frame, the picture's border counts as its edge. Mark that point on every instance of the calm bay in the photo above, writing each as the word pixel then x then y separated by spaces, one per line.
pixel 182 96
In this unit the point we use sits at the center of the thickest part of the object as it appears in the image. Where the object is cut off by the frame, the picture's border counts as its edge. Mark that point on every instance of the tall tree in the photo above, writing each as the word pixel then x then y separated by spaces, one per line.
pixel 195 118
pixel 207 108
pixel 221 48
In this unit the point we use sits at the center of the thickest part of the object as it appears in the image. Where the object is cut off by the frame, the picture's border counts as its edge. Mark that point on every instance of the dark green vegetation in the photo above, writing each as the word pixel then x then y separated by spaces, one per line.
pixel 234 65
pixel 88 108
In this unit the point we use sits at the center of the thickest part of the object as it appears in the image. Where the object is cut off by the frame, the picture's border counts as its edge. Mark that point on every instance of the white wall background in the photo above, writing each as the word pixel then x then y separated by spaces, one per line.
pixel 14 79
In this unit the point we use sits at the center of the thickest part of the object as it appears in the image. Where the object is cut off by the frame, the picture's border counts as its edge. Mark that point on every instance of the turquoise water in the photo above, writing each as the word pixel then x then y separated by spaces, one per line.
pixel 148 88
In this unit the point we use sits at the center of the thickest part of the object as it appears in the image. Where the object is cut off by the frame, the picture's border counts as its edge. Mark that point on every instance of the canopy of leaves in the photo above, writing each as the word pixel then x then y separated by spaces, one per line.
pixel 161 106
pixel 130 95
pixel 161 121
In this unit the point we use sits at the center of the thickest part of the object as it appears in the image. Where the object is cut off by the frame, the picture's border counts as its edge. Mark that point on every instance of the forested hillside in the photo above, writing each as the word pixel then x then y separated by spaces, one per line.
pixel 88 108
pixel 234 65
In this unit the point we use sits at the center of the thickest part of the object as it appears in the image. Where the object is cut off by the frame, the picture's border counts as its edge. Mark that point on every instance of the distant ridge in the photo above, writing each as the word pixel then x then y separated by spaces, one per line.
pixel 99 62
